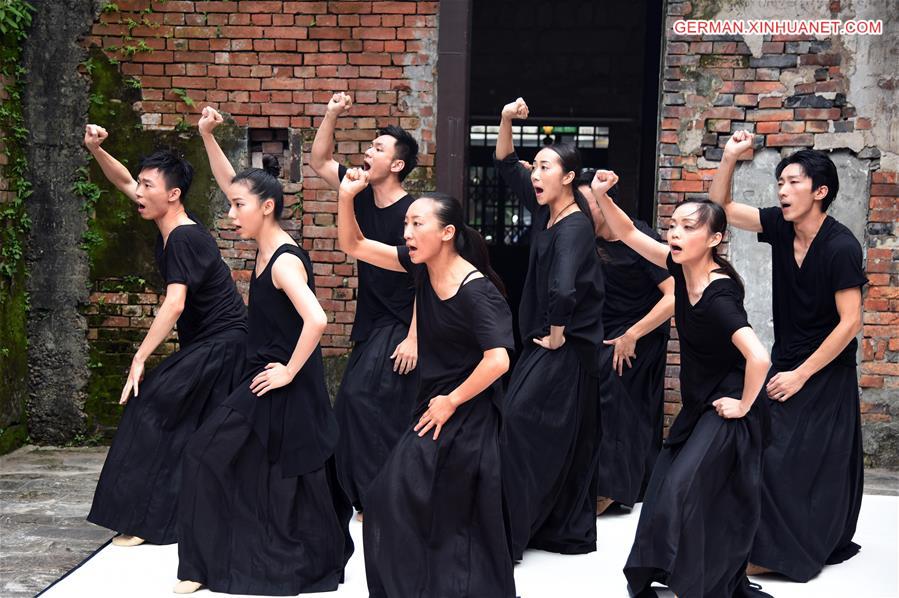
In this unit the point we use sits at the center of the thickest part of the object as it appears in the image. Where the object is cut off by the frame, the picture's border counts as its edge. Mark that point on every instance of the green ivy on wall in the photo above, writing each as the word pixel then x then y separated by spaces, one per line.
pixel 15 20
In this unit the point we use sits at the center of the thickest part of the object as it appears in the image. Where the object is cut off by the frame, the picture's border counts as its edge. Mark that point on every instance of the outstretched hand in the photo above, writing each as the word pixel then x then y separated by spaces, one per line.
pixel 210 119
pixel 603 180
pixel 94 135
pixel 738 144
pixel 516 109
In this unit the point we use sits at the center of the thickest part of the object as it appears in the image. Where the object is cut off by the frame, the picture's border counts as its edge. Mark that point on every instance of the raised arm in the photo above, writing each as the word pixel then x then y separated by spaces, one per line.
pixel 221 167
pixel 322 156
pixel 738 214
pixel 115 171
pixel 349 236
pixel 516 174
pixel 622 226
pixel 289 274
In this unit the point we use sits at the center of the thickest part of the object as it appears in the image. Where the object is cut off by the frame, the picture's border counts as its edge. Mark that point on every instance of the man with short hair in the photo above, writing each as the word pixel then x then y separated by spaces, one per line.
pixel 377 396
pixel 812 472
pixel 137 494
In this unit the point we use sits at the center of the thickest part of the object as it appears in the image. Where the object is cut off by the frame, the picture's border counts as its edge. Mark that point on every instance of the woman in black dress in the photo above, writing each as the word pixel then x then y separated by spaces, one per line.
pixel 638 305
pixel 138 490
pixel 551 413
pixel 703 501
pixel 261 510
pixel 433 516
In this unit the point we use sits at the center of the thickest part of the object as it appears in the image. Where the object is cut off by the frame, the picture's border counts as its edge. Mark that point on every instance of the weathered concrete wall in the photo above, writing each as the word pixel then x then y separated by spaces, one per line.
pixel 55 103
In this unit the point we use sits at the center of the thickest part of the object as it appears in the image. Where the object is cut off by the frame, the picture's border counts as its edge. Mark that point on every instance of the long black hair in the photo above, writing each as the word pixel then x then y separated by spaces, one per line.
pixel 710 214
pixel 468 242
pixel 570 158
pixel 263 182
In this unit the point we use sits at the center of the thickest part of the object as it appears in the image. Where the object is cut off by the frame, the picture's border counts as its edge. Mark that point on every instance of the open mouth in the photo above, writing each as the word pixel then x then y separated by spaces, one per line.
pixel 784 205
pixel 675 248
pixel 141 207
pixel 538 189
pixel 366 165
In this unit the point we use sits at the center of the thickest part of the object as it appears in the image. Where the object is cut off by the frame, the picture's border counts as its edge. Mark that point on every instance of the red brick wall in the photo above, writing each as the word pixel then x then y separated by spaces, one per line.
pixel 711 88
pixel 275 64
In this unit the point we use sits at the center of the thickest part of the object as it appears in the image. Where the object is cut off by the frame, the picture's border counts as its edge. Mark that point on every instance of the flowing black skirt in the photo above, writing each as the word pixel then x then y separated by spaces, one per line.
pixel 549 453
pixel 434 518
pixel 812 477
pixel 138 490
pixel 374 406
pixel 701 511
pixel 245 528
pixel 632 419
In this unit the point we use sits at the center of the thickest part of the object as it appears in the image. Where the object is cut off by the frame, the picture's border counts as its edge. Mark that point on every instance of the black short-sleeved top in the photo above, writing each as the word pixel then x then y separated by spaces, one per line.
pixel 805 310
pixel 300 429
pixel 191 257
pixel 384 297
pixel 711 366
pixel 632 284
pixel 454 333
pixel 564 284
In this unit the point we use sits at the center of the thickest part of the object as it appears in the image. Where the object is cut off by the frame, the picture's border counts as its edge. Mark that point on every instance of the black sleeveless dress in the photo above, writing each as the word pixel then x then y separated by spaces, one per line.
pixel 702 505
pixel 551 427
pixel 434 516
pixel 261 509
pixel 138 490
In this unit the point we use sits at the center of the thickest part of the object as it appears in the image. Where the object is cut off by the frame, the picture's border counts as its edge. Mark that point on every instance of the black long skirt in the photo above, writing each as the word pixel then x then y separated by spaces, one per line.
pixel 632 418
pixel 373 408
pixel 812 477
pixel 701 511
pixel 434 520
pixel 138 490
pixel 244 528
pixel 549 453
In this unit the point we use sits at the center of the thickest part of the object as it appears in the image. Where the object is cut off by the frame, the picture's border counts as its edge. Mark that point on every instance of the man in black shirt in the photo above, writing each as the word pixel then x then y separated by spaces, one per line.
pixel 812 473
pixel 377 395
pixel 138 489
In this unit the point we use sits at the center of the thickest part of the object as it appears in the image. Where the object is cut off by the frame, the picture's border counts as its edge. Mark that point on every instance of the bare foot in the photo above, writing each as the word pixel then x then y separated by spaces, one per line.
pixel 126 540
pixel 187 587
pixel 359 516
pixel 603 503
pixel 756 570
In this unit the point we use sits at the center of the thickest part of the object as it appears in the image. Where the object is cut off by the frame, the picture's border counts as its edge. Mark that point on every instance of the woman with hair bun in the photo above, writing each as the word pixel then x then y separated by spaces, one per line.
pixel 262 511
pixel 433 515
pixel 551 414
pixel 703 502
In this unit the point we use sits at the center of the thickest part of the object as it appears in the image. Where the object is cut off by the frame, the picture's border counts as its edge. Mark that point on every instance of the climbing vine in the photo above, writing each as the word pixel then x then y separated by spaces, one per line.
pixel 15 20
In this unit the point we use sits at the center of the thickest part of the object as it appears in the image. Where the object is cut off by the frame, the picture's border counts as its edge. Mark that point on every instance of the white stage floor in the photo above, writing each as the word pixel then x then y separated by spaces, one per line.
pixel 149 571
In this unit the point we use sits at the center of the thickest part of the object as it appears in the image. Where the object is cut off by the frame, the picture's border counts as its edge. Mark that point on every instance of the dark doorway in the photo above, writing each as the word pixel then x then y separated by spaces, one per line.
pixel 589 71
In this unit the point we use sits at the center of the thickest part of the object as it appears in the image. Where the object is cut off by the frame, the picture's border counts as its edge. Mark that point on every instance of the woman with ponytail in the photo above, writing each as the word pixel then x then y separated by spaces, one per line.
pixel 551 413
pixel 702 505
pixel 433 515
pixel 262 511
